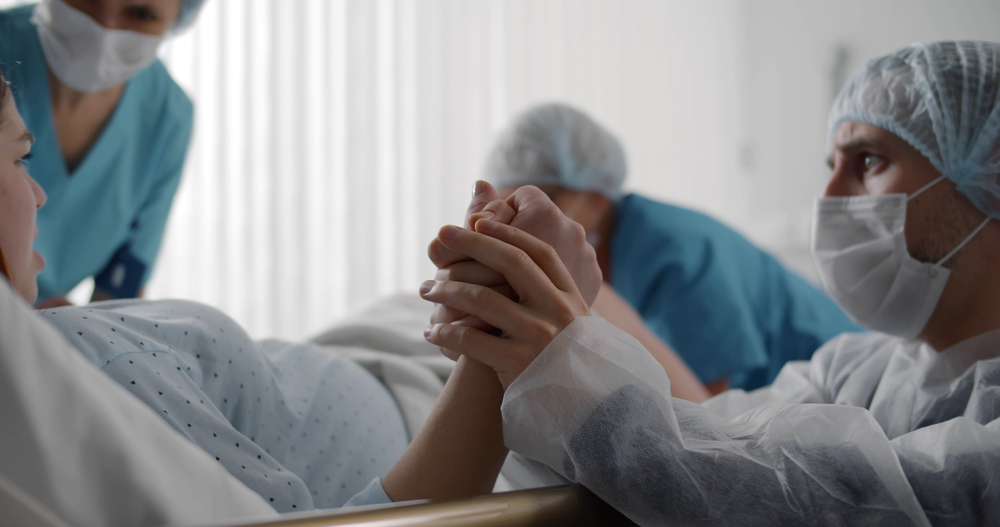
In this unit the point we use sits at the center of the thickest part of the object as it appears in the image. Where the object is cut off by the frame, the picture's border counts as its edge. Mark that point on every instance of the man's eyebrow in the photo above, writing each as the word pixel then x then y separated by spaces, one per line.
pixel 27 136
pixel 854 146
pixel 859 144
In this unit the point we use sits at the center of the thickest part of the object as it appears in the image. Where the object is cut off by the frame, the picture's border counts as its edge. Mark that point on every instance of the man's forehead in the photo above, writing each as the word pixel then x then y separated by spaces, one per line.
pixel 853 131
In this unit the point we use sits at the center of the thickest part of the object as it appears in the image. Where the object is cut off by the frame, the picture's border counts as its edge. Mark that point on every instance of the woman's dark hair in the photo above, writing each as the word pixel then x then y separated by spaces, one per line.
pixel 4 91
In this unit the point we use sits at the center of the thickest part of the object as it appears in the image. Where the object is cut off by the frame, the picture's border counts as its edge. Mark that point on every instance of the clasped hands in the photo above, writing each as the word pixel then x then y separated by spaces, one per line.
pixel 510 281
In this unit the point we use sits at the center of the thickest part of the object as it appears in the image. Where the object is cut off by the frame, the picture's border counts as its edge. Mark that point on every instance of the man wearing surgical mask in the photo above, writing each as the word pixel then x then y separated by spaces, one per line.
pixel 676 279
pixel 899 426
pixel 112 130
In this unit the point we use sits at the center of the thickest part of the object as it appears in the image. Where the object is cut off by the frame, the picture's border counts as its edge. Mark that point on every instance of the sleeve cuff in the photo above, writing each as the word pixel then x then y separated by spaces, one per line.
pixel 373 494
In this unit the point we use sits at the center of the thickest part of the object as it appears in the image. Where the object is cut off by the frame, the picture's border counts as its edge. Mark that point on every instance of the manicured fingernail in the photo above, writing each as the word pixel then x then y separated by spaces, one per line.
pixel 478 187
pixel 426 287
pixel 428 330
pixel 450 231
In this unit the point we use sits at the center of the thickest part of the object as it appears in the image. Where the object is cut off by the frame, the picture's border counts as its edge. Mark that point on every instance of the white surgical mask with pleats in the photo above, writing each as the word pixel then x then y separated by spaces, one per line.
pixel 860 249
pixel 85 55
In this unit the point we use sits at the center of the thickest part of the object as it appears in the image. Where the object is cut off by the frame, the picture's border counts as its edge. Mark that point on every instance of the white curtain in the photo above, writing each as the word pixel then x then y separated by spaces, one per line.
pixel 334 137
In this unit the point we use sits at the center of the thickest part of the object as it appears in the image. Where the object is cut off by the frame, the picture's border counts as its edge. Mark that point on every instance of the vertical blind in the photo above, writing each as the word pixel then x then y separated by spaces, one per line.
pixel 334 137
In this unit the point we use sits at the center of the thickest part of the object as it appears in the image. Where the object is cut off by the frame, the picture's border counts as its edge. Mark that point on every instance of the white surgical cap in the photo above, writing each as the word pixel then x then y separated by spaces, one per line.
pixel 554 144
pixel 189 12
pixel 944 100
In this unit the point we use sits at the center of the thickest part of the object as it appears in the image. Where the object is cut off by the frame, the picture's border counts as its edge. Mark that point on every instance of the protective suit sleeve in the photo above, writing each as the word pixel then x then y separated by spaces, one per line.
pixel 595 407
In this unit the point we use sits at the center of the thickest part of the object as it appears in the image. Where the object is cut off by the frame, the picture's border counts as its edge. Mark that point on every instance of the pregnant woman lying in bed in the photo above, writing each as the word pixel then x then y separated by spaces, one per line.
pixel 297 424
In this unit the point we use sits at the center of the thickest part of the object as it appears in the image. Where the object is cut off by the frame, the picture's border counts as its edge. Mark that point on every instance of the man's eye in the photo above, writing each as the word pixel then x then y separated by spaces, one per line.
pixel 872 161
pixel 23 160
pixel 142 13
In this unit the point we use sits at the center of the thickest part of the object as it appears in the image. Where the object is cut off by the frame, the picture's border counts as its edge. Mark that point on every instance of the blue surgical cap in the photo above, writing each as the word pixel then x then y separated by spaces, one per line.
pixel 189 12
pixel 555 144
pixel 944 100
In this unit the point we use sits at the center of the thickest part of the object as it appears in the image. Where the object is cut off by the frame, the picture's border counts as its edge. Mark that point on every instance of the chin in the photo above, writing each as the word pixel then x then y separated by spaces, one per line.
pixel 28 289
pixel 30 294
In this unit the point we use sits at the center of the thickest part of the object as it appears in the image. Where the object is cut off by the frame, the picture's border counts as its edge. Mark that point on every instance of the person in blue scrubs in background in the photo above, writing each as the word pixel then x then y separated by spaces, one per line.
pixel 112 131
pixel 729 310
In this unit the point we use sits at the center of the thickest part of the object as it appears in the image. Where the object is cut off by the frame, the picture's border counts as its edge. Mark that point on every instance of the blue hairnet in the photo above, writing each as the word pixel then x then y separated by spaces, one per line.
pixel 554 144
pixel 189 12
pixel 944 100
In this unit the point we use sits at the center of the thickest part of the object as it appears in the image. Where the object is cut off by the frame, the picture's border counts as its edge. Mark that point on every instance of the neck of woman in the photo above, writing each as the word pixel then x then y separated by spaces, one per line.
pixel 80 118
pixel 67 99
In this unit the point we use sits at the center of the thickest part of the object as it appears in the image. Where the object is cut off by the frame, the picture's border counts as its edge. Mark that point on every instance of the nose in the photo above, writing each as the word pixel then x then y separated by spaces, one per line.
pixel 40 196
pixel 838 185
pixel 107 21
pixel 103 16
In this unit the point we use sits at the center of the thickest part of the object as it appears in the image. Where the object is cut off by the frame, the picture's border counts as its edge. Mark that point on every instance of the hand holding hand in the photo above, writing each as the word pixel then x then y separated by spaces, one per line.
pixel 527 209
pixel 548 298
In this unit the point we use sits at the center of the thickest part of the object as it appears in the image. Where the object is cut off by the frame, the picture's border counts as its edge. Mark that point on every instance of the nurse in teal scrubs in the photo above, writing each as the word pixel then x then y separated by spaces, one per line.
pixel 728 309
pixel 111 133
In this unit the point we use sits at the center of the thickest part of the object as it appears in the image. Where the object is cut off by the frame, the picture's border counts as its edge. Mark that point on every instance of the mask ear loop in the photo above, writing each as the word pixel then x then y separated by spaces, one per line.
pixel 967 240
pixel 925 187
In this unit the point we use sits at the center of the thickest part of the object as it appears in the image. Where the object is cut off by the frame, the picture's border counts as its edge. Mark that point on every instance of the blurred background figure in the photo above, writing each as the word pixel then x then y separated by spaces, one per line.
pixel 730 310
pixel 112 131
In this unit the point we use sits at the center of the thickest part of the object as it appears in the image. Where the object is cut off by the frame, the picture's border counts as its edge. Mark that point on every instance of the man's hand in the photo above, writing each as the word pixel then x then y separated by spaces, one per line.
pixel 531 211
pixel 548 299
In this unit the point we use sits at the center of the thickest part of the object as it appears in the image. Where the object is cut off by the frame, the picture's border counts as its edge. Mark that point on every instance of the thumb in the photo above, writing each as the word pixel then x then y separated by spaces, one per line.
pixel 482 194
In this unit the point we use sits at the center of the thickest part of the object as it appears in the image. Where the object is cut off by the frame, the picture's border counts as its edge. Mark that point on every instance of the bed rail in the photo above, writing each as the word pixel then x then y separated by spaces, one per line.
pixel 550 506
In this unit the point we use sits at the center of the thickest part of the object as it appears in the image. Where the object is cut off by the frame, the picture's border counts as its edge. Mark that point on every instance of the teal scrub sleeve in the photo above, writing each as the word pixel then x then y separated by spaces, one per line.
pixel 151 220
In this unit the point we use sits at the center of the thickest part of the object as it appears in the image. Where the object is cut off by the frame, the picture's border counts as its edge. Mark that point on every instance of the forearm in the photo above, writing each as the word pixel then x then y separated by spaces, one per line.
pixel 459 451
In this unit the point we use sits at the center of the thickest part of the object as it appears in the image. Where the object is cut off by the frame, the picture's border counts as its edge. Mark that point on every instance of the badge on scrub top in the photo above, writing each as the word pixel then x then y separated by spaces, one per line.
pixel 122 277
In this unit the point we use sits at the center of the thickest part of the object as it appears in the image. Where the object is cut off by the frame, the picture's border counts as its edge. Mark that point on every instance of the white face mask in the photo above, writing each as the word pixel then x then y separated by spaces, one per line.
pixel 860 249
pixel 85 55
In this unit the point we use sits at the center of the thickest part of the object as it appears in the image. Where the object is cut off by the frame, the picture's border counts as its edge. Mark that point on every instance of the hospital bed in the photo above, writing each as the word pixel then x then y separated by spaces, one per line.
pixel 550 506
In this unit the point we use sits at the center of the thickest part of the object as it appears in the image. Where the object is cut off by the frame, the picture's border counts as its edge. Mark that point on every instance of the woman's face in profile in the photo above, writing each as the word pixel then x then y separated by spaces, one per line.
pixel 152 17
pixel 20 198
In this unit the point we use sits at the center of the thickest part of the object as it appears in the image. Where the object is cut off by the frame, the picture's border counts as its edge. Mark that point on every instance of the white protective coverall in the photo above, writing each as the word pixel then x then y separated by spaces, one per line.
pixel 874 430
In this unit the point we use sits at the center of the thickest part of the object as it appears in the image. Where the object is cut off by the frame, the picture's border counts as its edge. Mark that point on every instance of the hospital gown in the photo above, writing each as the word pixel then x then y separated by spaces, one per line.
pixel 873 430
pixel 298 424
pixel 76 446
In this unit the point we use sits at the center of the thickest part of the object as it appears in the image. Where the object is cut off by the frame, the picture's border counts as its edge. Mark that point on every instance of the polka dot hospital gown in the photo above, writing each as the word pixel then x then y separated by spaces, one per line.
pixel 298 424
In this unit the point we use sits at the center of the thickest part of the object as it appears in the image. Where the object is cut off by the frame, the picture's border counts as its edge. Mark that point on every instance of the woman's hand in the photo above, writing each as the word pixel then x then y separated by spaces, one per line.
pixel 459 267
pixel 531 211
pixel 547 298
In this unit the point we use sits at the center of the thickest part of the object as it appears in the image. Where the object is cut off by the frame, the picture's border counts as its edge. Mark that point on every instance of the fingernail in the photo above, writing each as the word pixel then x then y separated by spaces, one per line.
pixel 486 225
pixel 478 187
pixel 426 287
pixel 428 330
pixel 450 231
pixel 486 214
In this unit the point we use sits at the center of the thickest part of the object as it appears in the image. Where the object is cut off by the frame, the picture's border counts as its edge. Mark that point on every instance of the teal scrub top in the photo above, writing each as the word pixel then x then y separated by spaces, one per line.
pixel 728 308
pixel 106 218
